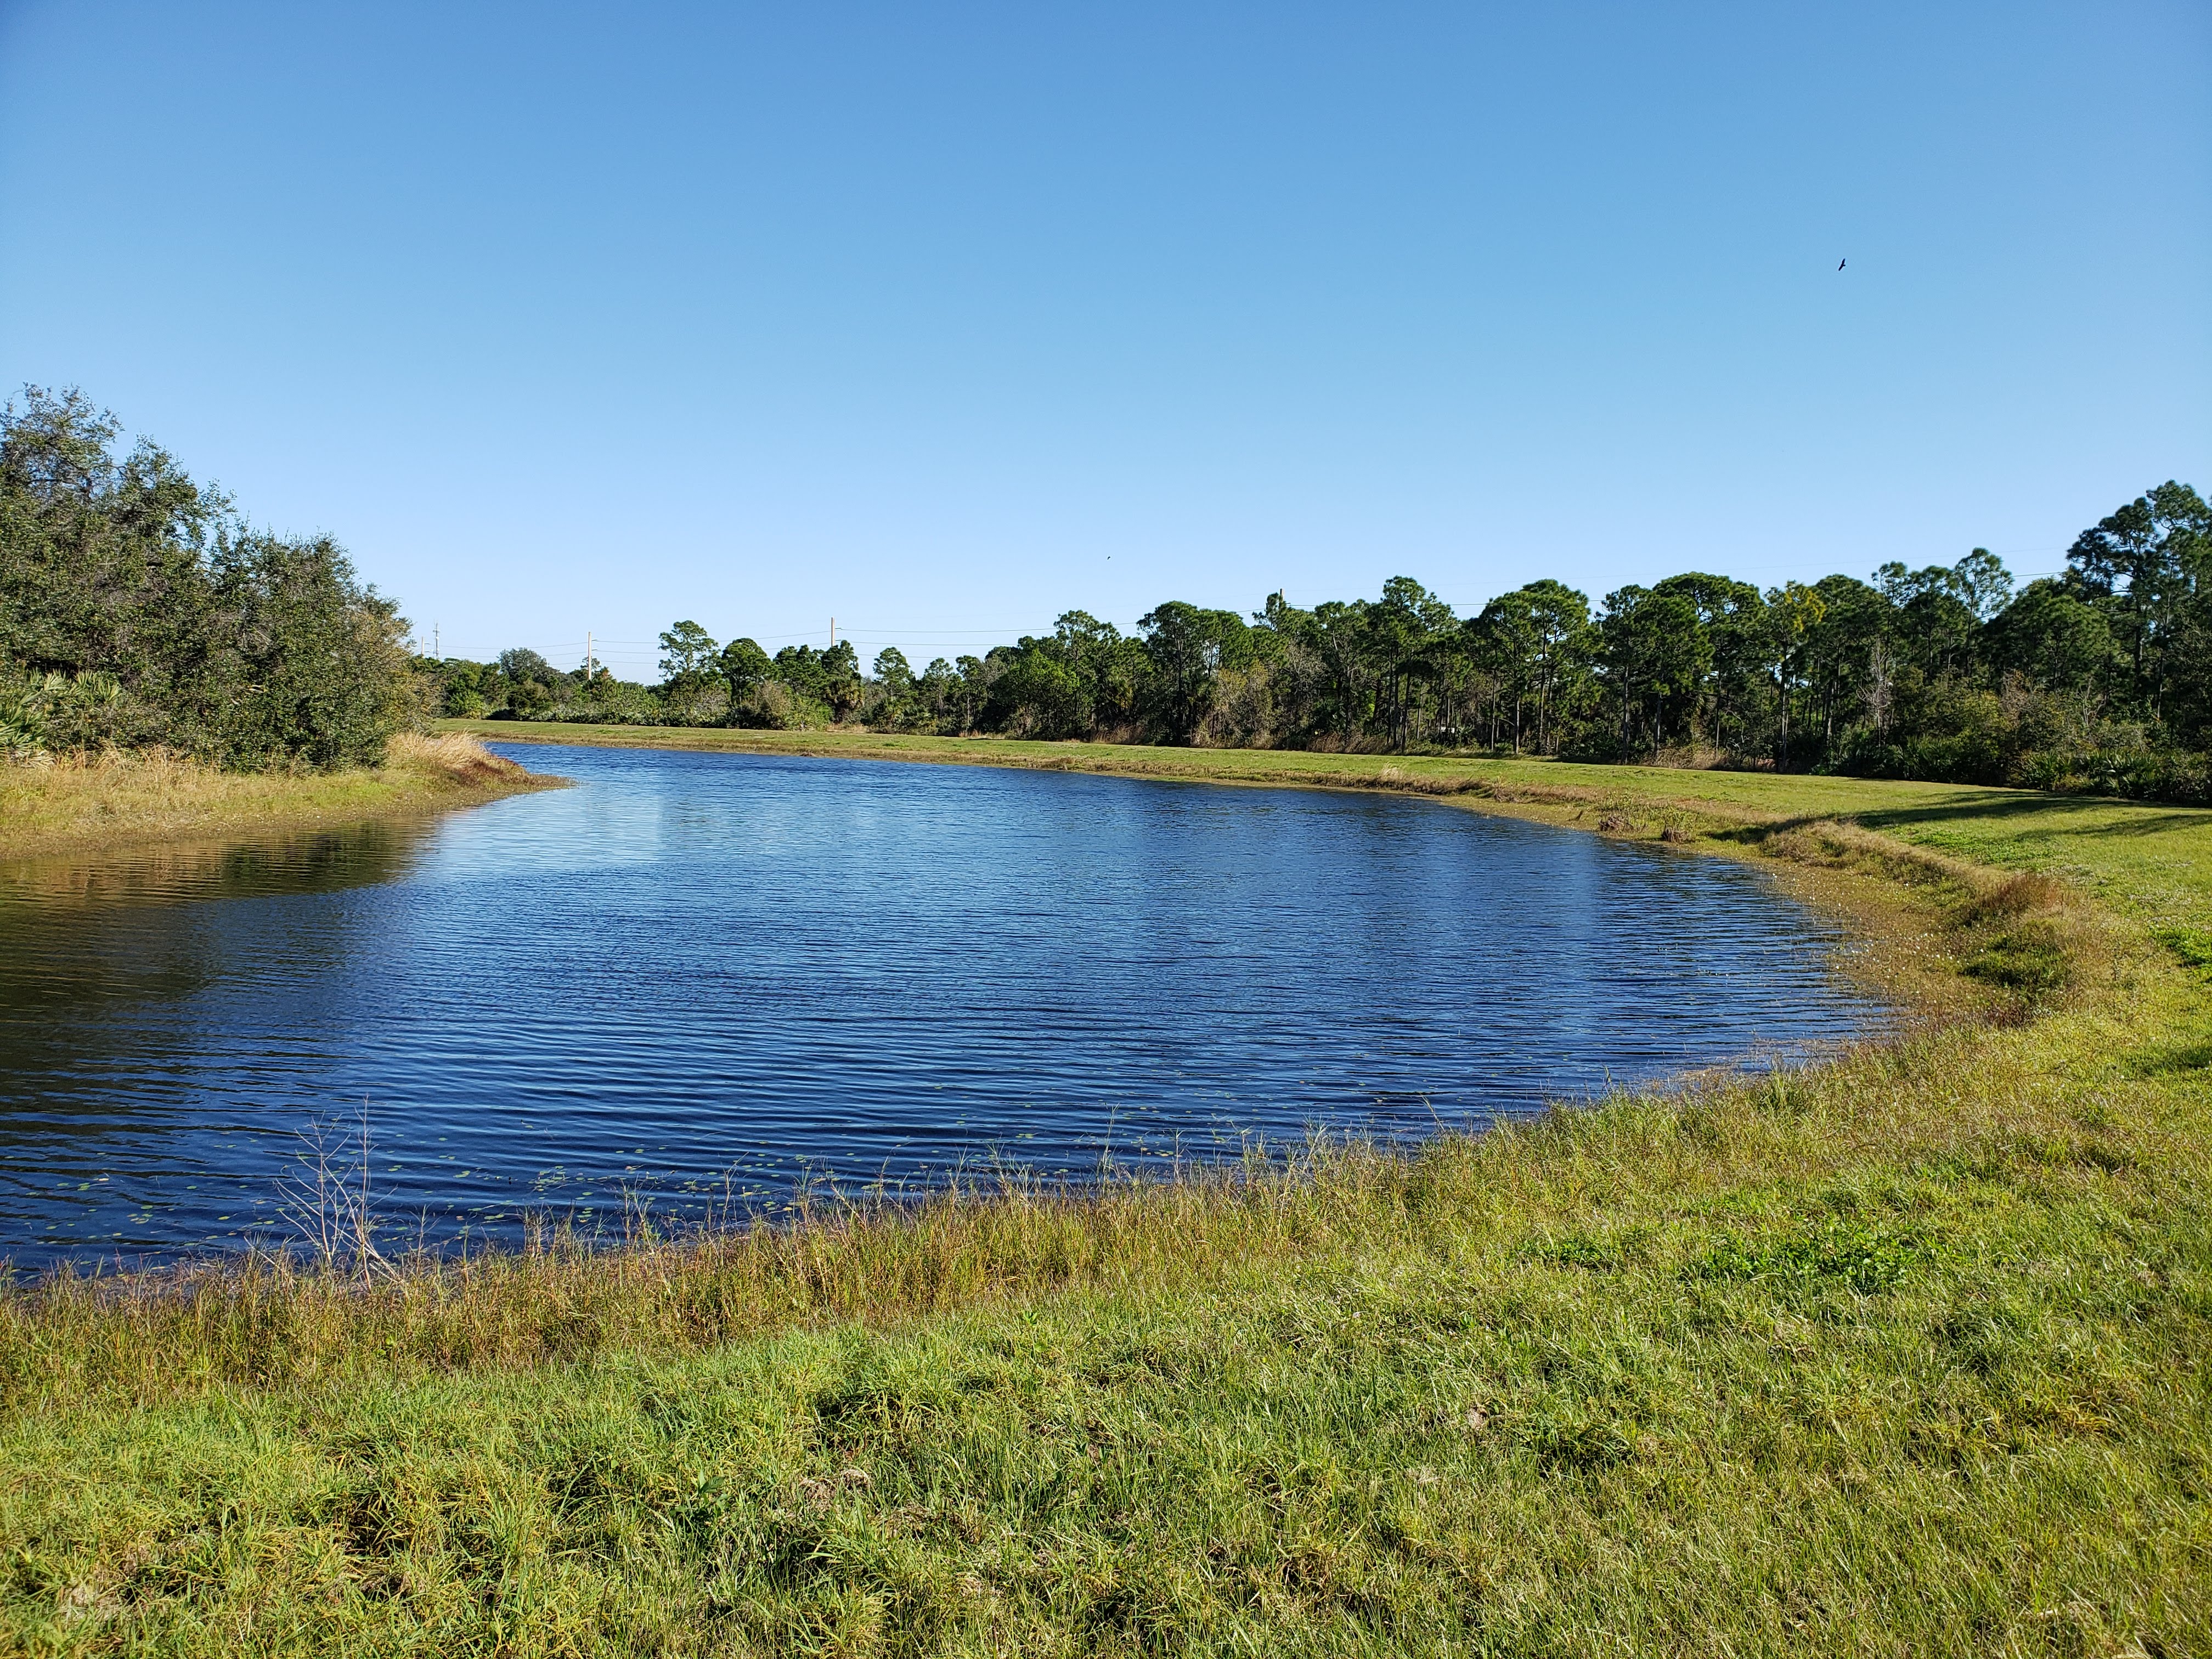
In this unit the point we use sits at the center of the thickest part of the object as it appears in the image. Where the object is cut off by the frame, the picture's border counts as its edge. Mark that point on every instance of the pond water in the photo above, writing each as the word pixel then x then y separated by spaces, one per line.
pixel 694 979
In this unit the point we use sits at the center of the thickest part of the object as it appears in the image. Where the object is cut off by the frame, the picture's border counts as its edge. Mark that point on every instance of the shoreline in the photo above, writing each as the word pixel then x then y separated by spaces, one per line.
pixel 78 807
pixel 1527 786
pixel 1893 891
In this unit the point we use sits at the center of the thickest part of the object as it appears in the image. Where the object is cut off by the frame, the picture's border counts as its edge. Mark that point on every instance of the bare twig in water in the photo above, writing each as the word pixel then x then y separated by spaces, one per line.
pixel 327 1198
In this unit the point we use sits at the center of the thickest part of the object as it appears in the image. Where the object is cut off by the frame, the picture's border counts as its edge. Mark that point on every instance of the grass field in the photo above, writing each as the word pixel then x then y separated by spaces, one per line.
pixel 1906 1354
pixel 95 804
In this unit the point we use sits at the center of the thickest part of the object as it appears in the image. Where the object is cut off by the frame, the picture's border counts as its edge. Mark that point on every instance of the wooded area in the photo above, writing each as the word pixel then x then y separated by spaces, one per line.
pixel 2097 680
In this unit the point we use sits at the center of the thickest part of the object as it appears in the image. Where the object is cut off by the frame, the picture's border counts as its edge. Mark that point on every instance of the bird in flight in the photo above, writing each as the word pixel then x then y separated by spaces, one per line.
pixel 1840 264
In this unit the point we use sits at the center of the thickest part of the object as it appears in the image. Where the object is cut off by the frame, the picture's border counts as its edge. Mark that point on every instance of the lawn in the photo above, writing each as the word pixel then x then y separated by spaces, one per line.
pixel 1904 1354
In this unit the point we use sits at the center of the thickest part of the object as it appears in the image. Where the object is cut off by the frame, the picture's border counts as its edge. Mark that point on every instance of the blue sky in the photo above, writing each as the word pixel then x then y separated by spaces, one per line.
pixel 943 320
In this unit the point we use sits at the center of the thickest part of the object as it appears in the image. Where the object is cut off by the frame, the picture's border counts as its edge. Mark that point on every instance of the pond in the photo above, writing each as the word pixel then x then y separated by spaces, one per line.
pixel 694 980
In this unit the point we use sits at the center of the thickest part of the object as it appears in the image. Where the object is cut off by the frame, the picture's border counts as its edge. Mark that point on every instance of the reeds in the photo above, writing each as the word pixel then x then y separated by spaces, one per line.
pixel 88 803
pixel 343 1299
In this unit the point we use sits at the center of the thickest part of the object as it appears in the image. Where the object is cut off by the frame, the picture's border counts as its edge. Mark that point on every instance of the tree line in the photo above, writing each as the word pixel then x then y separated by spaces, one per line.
pixel 139 609
pixel 2099 678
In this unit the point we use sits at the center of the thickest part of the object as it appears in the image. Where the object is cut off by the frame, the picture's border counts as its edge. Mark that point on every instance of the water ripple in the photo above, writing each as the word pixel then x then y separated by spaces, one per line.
pixel 701 974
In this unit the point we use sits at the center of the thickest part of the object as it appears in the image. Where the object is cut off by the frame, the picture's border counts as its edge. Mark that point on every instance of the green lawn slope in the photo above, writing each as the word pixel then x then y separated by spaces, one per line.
pixel 1904 1354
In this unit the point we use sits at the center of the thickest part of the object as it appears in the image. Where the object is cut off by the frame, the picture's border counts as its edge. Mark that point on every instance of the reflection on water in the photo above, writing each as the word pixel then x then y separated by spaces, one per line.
pixel 108 964
pixel 700 974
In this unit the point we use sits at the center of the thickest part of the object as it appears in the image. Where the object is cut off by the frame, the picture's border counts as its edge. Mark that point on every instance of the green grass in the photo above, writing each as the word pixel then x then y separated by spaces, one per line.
pixel 1907 1354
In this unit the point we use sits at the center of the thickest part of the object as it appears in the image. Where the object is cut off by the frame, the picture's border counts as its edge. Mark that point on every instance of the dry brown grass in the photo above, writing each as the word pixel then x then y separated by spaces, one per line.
pixel 451 759
pixel 91 803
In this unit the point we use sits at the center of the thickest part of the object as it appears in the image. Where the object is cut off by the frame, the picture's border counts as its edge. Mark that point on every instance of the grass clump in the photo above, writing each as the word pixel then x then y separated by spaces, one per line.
pixel 2191 946
pixel 2030 958
pixel 1851 1252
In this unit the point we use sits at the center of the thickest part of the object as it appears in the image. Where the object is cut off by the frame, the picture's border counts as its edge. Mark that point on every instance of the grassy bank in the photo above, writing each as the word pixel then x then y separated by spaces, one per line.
pixel 2149 861
pixel 93 803
pixel 1904 1354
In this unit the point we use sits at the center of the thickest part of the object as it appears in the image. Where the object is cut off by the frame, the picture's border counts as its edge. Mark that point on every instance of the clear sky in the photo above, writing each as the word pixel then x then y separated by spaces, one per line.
pixel 942 320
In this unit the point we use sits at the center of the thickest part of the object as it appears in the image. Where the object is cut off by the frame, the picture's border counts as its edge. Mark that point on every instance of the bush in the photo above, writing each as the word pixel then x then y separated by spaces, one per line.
pixel 1039 696
pixel 136 608
pixel 2135 771
pixel 773 706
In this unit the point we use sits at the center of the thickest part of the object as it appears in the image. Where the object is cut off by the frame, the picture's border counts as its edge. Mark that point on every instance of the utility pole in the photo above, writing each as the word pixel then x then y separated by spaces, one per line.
pixel 833 633
pixel 437 646
pixel 587 656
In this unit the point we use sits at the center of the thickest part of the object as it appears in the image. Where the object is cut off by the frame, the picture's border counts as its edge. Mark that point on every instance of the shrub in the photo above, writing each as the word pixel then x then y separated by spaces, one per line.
pixel 136 608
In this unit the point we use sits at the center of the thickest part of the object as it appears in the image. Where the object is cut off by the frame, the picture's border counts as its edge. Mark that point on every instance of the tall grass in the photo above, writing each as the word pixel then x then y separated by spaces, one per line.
pixel 75 804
